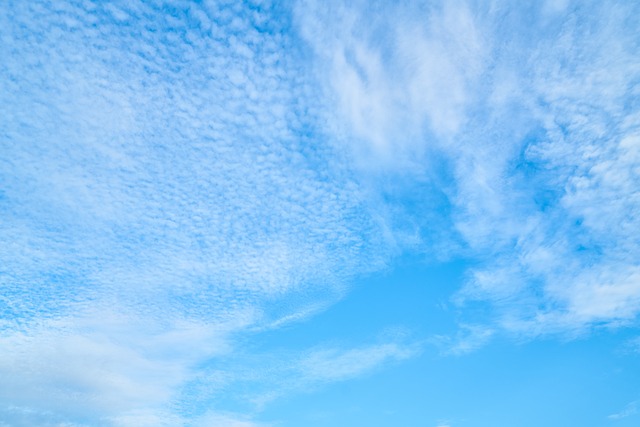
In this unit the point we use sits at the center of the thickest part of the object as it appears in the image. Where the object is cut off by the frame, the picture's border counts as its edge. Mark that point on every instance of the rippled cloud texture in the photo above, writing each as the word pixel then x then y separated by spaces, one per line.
pixel 179 177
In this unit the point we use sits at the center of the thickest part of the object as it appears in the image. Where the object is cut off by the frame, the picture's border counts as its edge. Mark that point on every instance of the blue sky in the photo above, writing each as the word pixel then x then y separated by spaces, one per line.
pixel 319 213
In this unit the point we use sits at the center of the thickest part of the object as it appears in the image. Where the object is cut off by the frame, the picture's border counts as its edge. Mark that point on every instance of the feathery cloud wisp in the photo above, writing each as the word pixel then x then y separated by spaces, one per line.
pixel 541 135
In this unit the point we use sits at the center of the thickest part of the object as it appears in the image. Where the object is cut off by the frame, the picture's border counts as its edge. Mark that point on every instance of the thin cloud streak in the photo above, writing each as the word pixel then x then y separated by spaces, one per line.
pixel 629 410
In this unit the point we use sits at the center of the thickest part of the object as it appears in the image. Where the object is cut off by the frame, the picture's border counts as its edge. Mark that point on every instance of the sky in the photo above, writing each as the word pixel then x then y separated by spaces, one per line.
pixel 320 213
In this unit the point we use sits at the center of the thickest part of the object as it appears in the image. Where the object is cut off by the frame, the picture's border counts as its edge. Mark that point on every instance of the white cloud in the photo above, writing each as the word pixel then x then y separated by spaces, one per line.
pixel 633 345
pixel 162 197
pixel 120 369
pixel 337 365
pixel 468 339
pixel 158 173
pixel 157 168
pixel 537 128
pixel 394 74
pixel 266 377
pixel 629 410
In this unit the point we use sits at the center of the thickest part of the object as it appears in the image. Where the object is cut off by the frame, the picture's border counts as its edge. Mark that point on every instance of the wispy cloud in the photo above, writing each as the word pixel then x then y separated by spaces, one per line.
pixel 629 410
pixel 633 345
pixel 539 138
pixel 177 176
pixel 328 365
pixel 266 377
pixel 115 367
pixel 391 73
pixel 466 340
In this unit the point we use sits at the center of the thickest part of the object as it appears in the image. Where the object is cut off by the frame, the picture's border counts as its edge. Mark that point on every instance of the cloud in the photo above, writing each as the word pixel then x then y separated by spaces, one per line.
pixel 392 74
pixel 159 173
pixel 530 131
pixel 563 198
pixel 188 173
pixel 161 196
pixel 631 345
pixel 118 370
pixel 466 340
pixel 629 410
pixel 260 378
pixel 328 365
